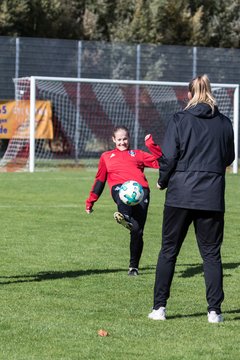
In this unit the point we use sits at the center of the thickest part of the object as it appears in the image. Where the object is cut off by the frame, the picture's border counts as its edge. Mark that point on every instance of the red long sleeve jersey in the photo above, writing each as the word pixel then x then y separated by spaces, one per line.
pixel 117 166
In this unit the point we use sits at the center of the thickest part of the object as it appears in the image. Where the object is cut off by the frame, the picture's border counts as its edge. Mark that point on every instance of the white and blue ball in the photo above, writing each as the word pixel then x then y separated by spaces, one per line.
pixel 131 193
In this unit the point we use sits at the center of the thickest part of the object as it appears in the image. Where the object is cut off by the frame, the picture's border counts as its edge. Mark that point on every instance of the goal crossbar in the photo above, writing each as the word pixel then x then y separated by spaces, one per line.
pixel 62 121
pixel 33 80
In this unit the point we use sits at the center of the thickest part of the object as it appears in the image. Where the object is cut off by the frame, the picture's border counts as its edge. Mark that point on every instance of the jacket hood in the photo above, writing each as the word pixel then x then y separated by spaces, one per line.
pixel 203 110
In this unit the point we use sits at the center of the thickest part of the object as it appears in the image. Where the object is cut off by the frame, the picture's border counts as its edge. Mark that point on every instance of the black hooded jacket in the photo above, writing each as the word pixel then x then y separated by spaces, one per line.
pixel 197 148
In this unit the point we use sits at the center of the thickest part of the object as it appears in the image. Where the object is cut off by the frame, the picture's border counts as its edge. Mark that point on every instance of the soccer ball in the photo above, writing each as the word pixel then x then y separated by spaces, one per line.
pixel 131 193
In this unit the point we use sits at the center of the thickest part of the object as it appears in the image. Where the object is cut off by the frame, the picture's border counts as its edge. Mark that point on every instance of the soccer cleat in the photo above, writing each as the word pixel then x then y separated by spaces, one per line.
pixel 213 317
pixel 159 314
pixel 121 219
pixel 133 271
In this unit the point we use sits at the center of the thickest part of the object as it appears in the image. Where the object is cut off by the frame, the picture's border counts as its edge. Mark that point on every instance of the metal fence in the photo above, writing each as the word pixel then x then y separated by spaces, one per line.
pixel 22 57
pixel 69 58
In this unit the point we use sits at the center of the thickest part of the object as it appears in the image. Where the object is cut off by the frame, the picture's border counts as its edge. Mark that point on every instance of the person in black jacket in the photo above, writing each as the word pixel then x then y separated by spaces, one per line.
pixel 197 148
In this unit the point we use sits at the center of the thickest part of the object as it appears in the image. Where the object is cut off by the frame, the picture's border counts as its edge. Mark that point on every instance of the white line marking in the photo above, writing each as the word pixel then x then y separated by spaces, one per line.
pixel 39 206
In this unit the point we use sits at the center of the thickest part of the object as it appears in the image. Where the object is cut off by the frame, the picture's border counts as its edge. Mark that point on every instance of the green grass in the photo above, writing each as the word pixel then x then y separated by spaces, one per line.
pixel 63 276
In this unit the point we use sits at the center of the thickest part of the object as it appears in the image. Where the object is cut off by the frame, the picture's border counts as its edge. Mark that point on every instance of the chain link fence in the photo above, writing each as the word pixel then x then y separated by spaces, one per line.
pixel 22 57
pixel 69 58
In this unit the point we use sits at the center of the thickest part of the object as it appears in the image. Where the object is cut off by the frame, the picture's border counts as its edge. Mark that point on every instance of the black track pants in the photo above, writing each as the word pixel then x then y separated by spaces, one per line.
pixel 137 215
pixel 209 226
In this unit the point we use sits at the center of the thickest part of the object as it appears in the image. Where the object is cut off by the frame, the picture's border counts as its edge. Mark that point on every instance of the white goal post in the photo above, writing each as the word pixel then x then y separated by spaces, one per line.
pixel 77 125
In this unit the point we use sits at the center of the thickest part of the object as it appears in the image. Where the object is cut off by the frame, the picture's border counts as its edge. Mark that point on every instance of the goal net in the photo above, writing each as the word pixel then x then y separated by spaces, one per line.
pixel 66 122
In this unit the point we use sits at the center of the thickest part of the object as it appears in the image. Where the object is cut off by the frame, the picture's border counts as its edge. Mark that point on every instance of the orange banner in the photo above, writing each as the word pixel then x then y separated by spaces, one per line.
pixel 15 119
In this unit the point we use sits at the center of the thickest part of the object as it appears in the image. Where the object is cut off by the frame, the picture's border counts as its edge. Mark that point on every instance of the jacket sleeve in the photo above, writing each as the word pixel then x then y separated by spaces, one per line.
pixel 98 185
pixel 151 160
pixel 231 150
pixel 171 150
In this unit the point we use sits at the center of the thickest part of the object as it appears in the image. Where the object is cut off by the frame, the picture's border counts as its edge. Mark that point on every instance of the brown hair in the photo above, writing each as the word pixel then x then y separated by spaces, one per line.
pixel 120 127
pixel 200 89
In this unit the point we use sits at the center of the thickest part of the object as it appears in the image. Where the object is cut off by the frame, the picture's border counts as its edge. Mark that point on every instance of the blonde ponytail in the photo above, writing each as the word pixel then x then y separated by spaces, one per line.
pixel 200 89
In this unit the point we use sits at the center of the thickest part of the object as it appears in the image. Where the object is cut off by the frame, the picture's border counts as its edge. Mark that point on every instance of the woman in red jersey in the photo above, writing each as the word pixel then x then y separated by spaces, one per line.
pixel 120 165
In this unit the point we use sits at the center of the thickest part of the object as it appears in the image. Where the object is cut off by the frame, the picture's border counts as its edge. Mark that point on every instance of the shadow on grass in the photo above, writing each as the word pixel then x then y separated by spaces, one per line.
pixel 178 316
pixel 196 269
pixel 193 269
pixel 190 271
pixel 56 275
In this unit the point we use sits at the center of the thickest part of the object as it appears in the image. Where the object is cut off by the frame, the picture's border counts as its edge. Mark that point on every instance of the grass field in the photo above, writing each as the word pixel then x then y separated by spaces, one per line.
pixel 63 276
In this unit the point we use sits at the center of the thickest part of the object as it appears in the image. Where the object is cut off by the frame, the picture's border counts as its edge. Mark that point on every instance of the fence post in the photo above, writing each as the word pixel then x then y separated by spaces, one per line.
pixel 32 124
pixel 194 71
pixel 17 63
pixel 77 132
pixel 236 128
pixel 136 124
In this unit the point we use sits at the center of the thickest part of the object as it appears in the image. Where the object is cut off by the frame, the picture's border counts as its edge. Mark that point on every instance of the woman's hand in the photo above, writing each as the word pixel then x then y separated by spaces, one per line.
pixel 147 137
pixel 89 209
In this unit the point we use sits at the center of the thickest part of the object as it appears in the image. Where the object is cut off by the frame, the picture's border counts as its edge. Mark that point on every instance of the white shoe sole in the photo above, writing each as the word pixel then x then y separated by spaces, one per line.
pixel 215 318
pixel 157 315
pixel 156 318
pixel 121 220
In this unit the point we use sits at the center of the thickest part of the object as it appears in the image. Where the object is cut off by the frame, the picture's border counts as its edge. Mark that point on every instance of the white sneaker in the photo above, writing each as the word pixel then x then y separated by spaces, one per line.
pixel 213 317
pixel 159 314
pixel 133 271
